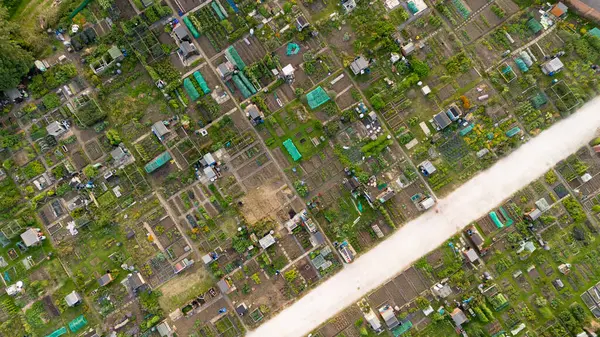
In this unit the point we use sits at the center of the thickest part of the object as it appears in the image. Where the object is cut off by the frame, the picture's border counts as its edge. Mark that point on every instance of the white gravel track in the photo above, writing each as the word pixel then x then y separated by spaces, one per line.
pixel 422 235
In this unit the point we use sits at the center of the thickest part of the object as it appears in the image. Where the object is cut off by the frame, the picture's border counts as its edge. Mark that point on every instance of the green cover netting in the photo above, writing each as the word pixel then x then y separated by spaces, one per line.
pixel 201 82
pixel 234 57
pixel 292 150
pixel 191 27
pixel 595 32
pixel 513 131
pixel 412 8
pixel 157 162
pixel 496 220
pixel 317 97
pixel 538 100
pixel 534 26
pixel 466 130
pixel 78 323
pixel 58 332
pixel 401 329
pixel 191 90
pixel 521 64
pixel 217 10
pixel 241 86
pixel 504 213
pixel 247 83
pixel 292 49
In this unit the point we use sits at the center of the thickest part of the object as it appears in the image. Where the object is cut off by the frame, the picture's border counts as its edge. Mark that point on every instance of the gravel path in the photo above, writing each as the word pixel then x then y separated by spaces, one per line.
pixel 420 236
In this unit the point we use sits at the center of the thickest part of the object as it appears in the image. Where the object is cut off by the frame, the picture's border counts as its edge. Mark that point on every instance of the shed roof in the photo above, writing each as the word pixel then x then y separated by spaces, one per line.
pixel 359 64
pixel 72 298
pixel 266 241
pixel 458 316
pixel 105 279
pixel 442 120
pixel 115 53
pixel 180 32
pixel 30 237
pixel 160 129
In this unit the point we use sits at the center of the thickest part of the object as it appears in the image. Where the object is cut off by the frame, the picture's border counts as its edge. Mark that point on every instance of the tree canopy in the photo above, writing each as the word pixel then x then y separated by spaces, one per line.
pixel 15 61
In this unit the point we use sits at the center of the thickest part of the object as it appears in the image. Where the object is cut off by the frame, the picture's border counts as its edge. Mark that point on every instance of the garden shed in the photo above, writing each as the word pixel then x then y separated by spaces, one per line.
pixel 73 299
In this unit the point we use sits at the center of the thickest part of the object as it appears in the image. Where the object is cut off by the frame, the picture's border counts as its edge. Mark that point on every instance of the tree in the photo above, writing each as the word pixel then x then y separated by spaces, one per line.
pixel 377 102
pixel 419 67
pixel 15 61
pixel 51 101
pixel 240 244
pixel 149 302
pixel 113 136
pixel 90 171
pixel 291 275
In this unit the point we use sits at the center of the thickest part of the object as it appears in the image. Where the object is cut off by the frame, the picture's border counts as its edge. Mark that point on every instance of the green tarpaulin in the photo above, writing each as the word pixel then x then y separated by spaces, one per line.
pixel 317 97
pixel 157 162
pixel 292 150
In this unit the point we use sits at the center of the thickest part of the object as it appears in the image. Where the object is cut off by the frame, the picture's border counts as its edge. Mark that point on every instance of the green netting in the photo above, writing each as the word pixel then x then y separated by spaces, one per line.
pixel 401 329
pixel 247 83
pixel 412 8
pixel 292 150
pixel 595 32
pixel 513 131
pixel 191 90
pixel 538 100
pixel 504 213
pixel 466 130
pixel 317 97
pixel 58 332
pixel 534 26
pixel 222 9
pixel 506 69
pixel 157 162
pixel 191 26
pixel 241 87
pixel 78 323
pixel 496 220
pixel 201 82
pixel 79 8
pixel 234 57
pixel 292 49
pixel 521 64
pixel 217 10
pixel 460 6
